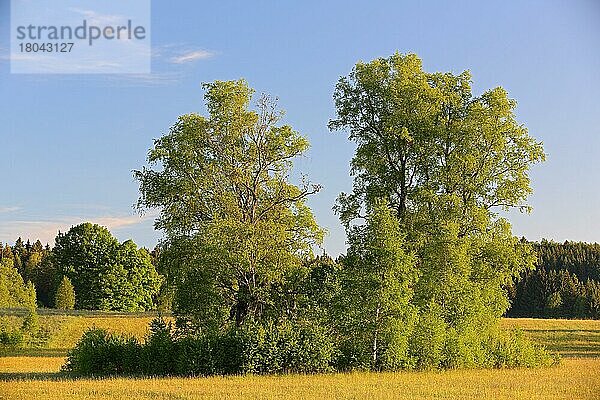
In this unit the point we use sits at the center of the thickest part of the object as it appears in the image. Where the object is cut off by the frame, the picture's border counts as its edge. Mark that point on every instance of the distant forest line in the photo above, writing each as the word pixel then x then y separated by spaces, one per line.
pixel 564 284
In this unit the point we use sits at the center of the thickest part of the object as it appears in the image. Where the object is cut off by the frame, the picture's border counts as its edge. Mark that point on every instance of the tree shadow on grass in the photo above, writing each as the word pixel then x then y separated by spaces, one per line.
pixel 564 331
pixel 65 376
pixel 583 350
pixel 34 376
pixel 52 376
pixel 33 352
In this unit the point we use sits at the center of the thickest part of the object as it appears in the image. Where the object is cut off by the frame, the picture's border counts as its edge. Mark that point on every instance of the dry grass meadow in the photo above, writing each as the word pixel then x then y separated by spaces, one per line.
pixel 34 375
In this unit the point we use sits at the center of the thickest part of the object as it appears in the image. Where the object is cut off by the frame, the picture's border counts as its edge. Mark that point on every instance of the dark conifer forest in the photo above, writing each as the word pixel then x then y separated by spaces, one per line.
pixel 564 284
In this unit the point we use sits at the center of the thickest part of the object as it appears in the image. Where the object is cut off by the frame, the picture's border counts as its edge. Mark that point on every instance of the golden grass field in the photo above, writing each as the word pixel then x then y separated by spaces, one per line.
pixel 65 330
pixel 34 376
pixel 570 338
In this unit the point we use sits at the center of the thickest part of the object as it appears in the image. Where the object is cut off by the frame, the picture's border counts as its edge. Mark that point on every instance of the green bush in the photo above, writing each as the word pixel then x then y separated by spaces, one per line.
pixel 32 333
pixel 99 352
pixel 352 355
pixel 427 342
pixel 158 353
pixel 227 352
pixel 31 322
pixel 285 347
pixel 354 352
pixel 296 347
pixel 463 348
pixel 29 333
pixel 512 349
pixel 11 338
pixel 195 356
pixel 258 349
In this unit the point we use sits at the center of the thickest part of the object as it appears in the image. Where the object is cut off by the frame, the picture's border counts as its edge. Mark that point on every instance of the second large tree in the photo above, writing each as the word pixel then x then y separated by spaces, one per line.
pixel 445 161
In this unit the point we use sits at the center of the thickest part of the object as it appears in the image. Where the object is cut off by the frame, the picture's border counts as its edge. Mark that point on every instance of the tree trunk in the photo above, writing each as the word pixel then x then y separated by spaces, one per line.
pixel 375 337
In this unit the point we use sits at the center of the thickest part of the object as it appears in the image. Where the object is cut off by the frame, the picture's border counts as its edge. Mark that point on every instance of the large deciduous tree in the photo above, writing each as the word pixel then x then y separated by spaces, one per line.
pixel 446 161
pixel 235 226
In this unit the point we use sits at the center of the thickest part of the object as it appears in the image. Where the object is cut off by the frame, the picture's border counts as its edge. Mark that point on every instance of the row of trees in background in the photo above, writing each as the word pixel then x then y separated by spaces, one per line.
pixel 87 269
pixel 565 284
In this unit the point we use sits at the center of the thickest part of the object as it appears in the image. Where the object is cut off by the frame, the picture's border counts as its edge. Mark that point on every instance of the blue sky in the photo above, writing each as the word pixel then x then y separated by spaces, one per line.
pixel 68 143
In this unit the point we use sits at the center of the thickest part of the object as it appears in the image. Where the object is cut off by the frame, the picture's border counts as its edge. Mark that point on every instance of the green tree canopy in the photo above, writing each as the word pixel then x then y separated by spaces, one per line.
pixel 235 226
pixel 13 291
pixel 446 161
pixel 105 274
pixel 431 147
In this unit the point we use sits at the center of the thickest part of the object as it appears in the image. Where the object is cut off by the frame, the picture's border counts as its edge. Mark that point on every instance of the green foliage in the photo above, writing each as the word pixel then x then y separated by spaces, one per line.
pixel 310 292
pixel 444 161
pixel 428 145
pixel 13 291
pixel 99 352
pixel 236 228
pixel 65 295
pixel 106 275
pixel 158 353
pixel 512 349
pixel 374 301
pixel 46 279
pixel 29 333
pixel 12 339
pixel 32 261
pixel 426 345
pixel 31 323
pixel 286 347
pixel 83 254
pixel 4 293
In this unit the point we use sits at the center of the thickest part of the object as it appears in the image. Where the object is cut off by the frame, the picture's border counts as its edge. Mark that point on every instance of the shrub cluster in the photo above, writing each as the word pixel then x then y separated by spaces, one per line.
pixel 512 349
pixel 99 352
pixel 287 347
pixel 275 348
pixel 430 344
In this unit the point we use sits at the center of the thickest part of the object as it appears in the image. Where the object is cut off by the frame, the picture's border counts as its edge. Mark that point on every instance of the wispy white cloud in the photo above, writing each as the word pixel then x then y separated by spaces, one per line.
pixel 46 230
pixel 164 71
pixel 153 79
pixel 19 57
pixel 5 209
pixel 95 18
pixel 191 56
pixel 122 221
